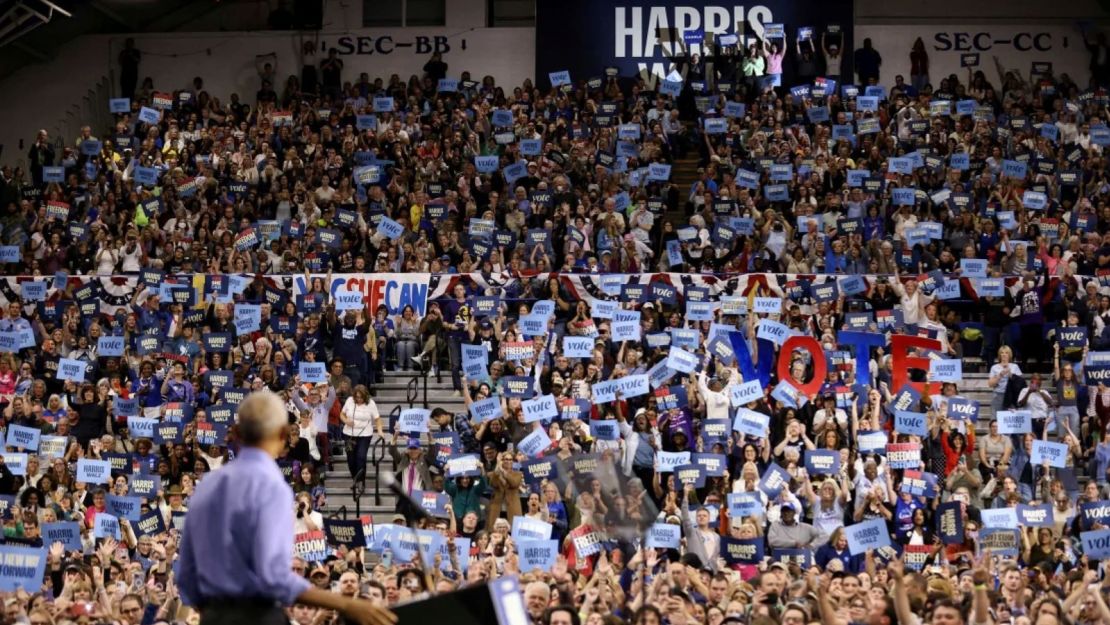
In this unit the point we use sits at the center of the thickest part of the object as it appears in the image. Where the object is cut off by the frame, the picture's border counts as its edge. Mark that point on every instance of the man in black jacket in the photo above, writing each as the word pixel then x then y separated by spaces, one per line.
pixel 41 155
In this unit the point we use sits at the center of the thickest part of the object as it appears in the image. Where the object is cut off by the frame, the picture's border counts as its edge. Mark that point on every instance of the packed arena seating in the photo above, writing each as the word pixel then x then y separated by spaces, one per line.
pixel 723 350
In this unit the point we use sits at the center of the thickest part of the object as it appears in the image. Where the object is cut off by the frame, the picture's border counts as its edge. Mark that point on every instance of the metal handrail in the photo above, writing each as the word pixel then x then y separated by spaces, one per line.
pixel 378 452
pixel 412 390
pixel 341 513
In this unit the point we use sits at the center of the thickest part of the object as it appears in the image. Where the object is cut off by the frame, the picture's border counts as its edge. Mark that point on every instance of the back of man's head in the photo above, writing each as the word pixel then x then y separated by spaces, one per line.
pixel 261 415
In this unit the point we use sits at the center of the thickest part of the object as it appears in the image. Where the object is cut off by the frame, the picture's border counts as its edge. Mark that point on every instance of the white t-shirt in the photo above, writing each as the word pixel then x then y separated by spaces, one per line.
pixel 996 371
pixel 363 417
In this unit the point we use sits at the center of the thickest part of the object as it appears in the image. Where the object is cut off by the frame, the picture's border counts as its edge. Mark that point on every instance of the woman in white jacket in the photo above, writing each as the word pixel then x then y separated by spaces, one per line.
pixel 641 441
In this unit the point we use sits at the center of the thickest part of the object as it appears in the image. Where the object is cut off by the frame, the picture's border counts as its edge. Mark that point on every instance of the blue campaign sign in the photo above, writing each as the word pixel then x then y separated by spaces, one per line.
pixel 486 409
pixel 119 105
pixel 999 517
pixel 349 300
pixel 742 505
pixel 474 361
pixel 539 408
pixel 248 318
pixel 390 229
pixel 139 427
pixel 535 443
pixel 151 524
pixel 715 125
pixel 486 164
pixel 1036 516
pixel 22 437
pixel 746 393
pixel 168 433
pixel 659 171
pixel 514 171
pixel 10 254
pixel 950 522
pixel 383 104
pixel 106 525
pixel 559 78
pixel 973 268
pixel 71 369
pixel 910 423
pixel 463 465
pixel 774 480
pixel 946 370
pixel 682 360
pixel 366 122
pixel 1096 544
pixel 16 463
pixel 664 536
pixel 867 535
pixel 734 109
pixel 578 346
pixel 712 465
pixel 670 87
pixel 22 568
pixel 742 550
pixel 537 554
pixel 962 409
pixel 531 147
pixel 109 346
pixel 751 423
pixel 66 532
pixel 33 291
pixel 312 372
pixel 527 528
pixel 124 507
pixel 148 115
pixel 903 196
pixel 1072 336
pixel 867 103
pixel 1034 200
pixel 822 461
pixel 413 420
pixel 519 386
pixel 1014 421
pixel 145 486
pixel 1054 454
pixel 1014 169
pixel 146 176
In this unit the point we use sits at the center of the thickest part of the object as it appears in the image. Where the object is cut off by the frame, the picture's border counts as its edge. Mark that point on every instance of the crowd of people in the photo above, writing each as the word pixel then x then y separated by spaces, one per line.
pixel 733 402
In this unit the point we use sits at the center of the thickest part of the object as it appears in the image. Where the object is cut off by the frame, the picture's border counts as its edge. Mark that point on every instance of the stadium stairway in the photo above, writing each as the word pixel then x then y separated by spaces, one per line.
pixel 684 173
pixel 404 389
pixel 400 390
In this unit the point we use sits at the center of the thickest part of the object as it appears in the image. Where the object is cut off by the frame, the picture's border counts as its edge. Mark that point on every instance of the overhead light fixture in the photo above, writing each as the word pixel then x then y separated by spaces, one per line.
pixel 25 16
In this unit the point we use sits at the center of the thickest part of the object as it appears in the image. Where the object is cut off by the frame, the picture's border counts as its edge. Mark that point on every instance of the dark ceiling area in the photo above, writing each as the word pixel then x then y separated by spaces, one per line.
pixel 32 31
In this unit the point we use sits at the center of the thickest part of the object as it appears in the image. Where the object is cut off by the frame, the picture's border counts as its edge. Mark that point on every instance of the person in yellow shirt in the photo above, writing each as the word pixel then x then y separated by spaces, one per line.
pixel 416 211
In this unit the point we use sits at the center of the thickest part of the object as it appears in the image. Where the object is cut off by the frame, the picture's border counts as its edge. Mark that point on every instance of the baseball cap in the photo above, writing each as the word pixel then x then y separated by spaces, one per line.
pixel 413 443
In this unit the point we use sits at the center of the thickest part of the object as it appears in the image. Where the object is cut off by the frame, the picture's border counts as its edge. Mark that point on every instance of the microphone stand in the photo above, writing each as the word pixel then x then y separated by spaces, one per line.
pixel 418 513
pixel 358 489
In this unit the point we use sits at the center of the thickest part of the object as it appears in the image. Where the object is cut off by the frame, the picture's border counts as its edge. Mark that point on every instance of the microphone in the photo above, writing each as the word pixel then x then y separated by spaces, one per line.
pixel 394 487
pixel 418 512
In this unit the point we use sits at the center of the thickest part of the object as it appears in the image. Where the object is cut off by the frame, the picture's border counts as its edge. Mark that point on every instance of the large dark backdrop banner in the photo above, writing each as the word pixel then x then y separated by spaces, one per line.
pixel 586 36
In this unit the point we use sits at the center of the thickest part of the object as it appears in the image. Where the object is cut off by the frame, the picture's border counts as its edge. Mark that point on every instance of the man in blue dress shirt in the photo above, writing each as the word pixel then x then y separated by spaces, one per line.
pixel 237 550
